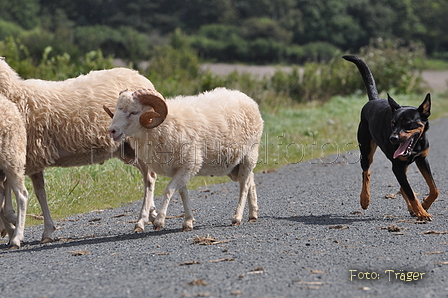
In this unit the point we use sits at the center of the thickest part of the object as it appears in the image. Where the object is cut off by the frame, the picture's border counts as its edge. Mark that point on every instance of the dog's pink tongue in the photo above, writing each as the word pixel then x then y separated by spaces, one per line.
pixel 402 148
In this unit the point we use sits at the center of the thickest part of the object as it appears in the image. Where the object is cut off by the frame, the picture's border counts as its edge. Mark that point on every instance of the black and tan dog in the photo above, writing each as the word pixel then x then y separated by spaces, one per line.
pixel 400 132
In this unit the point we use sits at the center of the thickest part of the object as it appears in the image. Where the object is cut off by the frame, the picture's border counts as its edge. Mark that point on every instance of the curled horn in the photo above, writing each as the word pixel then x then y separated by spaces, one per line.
pixel 108 111
pixel 159 111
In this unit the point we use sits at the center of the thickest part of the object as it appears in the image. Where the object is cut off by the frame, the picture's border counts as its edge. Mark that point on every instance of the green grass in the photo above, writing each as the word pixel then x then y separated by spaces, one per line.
pixel 292 134
pixel 436 64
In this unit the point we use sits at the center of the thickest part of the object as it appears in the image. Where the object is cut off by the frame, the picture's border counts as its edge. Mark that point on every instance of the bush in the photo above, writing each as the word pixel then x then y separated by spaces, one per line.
pixel 9 29
pixel 398 65
pixel 319 51
pixel 174 67
pixel 50 67
pixel 124 42
pixel 398 68
pixel 265 28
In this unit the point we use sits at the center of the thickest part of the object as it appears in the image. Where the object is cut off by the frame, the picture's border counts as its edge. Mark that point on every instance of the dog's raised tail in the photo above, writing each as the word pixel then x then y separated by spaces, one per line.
pixel 366 75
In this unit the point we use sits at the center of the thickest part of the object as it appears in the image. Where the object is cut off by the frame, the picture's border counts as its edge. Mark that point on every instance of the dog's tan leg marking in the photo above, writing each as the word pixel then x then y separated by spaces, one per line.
pixel 408 203
pixel 433 191
pixel 419 211
pixel 365 192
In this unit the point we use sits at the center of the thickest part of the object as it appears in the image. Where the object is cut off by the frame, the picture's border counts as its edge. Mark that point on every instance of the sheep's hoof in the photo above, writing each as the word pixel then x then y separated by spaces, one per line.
pixel 46 240
pixel 187 229
pixel 157 228
pixel 253 219
pixel 11 247
pixel 236 223
pixel 138 229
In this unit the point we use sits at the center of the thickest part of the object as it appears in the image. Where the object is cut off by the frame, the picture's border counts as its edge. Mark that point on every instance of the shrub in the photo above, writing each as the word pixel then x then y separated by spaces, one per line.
pixel 124 42
pixel 398 65
pixel 319 51
pixel 50 67
pixel 174 67
pixel 9 29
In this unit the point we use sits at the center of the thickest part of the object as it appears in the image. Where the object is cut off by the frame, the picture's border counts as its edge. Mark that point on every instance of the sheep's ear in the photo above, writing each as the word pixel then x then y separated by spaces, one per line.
pixel 108 111
pixel 147 118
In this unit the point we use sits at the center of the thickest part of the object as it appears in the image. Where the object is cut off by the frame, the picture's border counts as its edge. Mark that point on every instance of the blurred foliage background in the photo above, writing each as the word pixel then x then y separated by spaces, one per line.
pixel 250 31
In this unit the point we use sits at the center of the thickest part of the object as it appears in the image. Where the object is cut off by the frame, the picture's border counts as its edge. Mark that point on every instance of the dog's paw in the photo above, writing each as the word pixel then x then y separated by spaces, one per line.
pixel 424 216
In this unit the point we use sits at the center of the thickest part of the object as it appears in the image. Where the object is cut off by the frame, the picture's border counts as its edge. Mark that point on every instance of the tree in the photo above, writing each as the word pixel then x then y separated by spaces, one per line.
pixel 23 12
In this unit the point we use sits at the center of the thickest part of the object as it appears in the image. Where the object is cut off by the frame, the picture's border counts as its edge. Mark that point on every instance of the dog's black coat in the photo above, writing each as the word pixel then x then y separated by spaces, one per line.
pixel 400 132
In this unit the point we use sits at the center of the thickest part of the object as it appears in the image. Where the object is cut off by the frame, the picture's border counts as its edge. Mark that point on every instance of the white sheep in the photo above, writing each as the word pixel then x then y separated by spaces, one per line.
pixel 213 133
pixel 66 125
pixel 12 167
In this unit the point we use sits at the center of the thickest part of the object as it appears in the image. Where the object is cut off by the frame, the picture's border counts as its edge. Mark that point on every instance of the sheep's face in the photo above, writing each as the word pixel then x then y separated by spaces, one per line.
pixel 136 110
pixel 125 122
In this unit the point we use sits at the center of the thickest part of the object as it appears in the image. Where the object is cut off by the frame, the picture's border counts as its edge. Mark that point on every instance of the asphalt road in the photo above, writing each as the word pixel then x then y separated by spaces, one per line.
pixel 312 240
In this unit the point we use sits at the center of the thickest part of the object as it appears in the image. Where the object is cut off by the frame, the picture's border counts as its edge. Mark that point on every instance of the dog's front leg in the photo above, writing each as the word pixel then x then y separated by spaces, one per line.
pixel 408 203
pixel 399 170
pixel 423 165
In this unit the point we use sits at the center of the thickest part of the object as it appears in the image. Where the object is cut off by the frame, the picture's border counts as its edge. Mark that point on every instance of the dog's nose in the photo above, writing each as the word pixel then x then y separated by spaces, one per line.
pixel 394 139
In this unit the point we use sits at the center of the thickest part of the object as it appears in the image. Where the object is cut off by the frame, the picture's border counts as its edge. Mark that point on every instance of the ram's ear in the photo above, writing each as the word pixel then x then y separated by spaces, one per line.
pixel 146 119
pixel 108 111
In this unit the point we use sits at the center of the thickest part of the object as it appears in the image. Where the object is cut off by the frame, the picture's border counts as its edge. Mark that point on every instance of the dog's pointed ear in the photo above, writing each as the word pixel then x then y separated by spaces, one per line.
pixel 393 104
pixel 425 108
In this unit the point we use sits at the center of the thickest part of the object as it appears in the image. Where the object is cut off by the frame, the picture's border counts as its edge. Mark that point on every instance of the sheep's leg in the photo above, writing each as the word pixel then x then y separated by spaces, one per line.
pixel 187 225
pixel 148 211
pixel 252 199
pixel 247 189
pixel 179 180
pixel 6 227
pixel 8 208
pixel 39 190
pixel 18 185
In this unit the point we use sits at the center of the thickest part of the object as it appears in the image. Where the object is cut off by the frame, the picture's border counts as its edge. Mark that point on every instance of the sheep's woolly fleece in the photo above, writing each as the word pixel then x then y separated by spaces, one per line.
pixel 217 127
pixel 66 118
pixel 12 139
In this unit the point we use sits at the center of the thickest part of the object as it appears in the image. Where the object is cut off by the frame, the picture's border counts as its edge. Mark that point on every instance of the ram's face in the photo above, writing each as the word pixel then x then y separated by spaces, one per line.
pixel 125 122
pixel 144 108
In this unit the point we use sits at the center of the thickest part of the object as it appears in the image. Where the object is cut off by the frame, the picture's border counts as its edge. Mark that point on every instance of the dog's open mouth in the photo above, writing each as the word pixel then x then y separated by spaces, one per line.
pixel 405 148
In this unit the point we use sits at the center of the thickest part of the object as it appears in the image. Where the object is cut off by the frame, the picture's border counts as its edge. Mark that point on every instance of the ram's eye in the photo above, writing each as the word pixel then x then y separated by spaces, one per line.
pixel 134 113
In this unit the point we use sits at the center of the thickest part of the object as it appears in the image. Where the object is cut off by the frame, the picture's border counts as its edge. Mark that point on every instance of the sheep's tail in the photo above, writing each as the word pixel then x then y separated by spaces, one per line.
pixel 366 74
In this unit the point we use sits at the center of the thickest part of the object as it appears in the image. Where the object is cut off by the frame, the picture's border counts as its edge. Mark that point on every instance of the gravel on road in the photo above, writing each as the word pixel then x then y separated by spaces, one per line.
pixel 312 240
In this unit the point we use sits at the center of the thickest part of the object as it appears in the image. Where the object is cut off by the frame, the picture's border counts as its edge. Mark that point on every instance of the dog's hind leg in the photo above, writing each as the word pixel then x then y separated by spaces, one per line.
pixel 423 166
pixel 367 147
pixel 408 194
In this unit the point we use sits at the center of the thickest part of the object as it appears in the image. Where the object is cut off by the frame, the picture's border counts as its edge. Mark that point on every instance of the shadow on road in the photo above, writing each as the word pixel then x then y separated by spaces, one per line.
pixel 84 240
pixel 327 219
